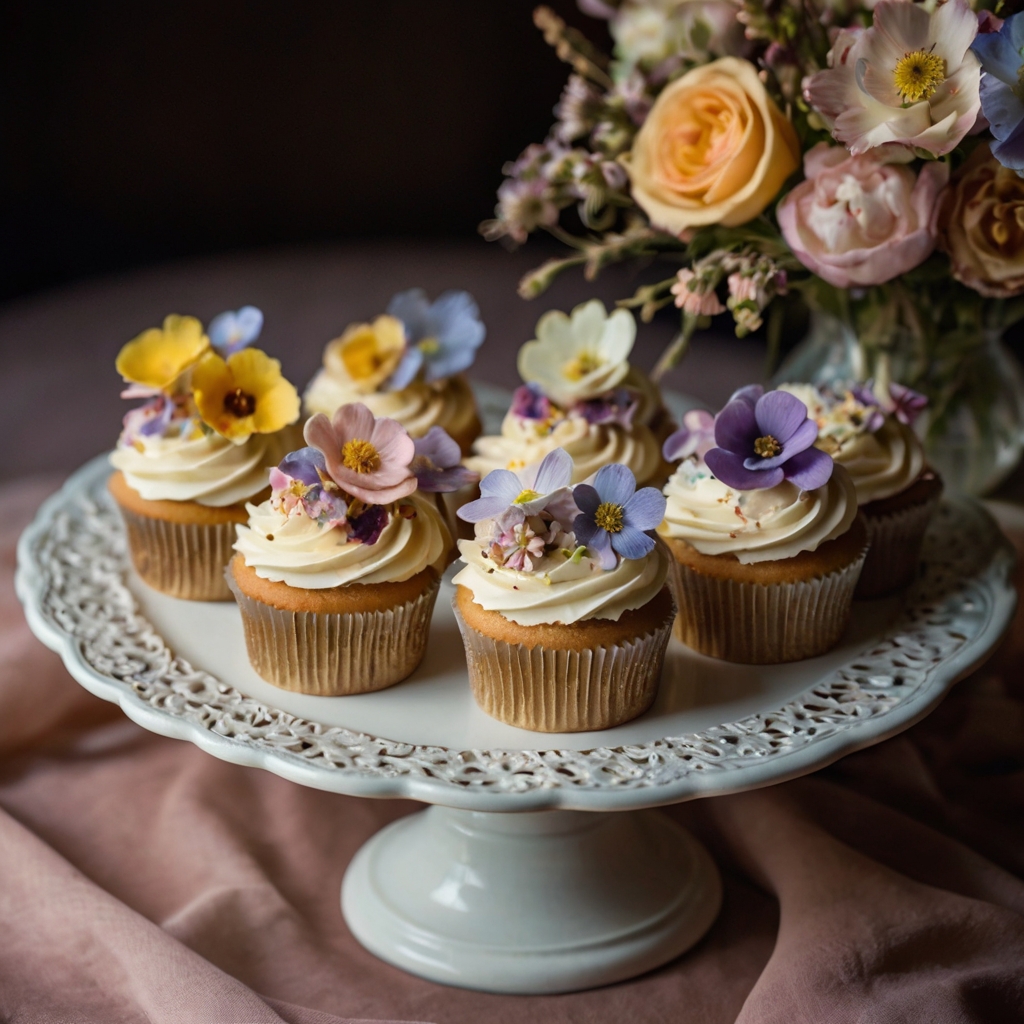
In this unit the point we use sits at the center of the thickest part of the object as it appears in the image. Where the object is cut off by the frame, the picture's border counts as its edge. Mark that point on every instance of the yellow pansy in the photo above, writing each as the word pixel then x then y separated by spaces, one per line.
pixel 367 354
pixel 159 356
pixel 244 394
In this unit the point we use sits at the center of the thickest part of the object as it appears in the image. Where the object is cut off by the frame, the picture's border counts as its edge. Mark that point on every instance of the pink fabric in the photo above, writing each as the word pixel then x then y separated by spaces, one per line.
pixel 142 880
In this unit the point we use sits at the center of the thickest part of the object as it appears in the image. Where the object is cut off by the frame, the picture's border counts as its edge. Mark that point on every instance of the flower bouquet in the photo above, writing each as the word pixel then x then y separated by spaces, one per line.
pixel 865 158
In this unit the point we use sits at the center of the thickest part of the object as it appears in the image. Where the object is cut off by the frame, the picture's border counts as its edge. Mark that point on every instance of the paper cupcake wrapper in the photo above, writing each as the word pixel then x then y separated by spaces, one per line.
pixel 895 551
pixel 758 624
pixel 339 654
pixel 184 560
pixel 551 690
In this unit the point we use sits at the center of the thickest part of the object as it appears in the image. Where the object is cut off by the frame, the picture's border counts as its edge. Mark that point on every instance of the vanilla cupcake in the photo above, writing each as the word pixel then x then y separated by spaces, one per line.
pixel 563 603
pixel 767 542
pixel 581 395
pixel 407 365
pixel 871 435
pixel 215 422
pixel 336 573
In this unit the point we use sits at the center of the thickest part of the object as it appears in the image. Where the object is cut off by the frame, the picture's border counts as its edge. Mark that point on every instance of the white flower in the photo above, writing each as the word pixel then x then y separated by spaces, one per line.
pixel 573 359
pixel 911 79
pixel 651 31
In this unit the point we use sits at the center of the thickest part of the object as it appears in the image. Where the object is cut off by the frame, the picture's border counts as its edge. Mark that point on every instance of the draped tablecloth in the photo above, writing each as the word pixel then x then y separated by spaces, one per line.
pixel 143 880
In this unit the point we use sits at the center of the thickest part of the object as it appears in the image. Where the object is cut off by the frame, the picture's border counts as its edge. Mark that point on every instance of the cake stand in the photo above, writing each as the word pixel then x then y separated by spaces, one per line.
pixel 509 882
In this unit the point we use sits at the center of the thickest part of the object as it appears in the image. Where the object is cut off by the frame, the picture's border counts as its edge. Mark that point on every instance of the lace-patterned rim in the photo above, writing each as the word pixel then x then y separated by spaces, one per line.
pixel 71 579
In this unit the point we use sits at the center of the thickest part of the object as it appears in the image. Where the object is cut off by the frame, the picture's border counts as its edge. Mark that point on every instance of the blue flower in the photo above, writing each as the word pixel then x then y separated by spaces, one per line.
pixel 1002 93
pixel 438 463
pixel 614 515
pixel 511 497
pixel 441 337
pixel 232 330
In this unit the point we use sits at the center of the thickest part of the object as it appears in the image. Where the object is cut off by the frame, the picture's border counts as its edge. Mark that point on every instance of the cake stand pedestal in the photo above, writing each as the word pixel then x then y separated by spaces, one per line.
pixel 511 883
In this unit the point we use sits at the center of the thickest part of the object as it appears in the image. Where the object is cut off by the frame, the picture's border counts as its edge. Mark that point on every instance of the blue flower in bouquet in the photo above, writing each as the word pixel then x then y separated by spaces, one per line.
pixel 1002 92
pixel 437 463
pixel 441 336
pixel 764 439
pixel 614 515
pixel 233 330
pixel 511 497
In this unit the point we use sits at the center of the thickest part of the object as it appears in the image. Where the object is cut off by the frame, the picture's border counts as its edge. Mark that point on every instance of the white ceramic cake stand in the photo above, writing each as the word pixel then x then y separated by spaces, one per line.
pixel 551 898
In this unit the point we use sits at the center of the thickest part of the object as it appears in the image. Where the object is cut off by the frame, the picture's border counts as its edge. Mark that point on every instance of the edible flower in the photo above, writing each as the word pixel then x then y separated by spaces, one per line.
pixel 437 463
pixel 577 357
pixel 519 547
pixel 441 337
pixel 764 439
pixel 695 437
pixel 1002 58
pixel 158 357
pixel 512 496
pixel 905 403
pixel 366 457
pixel 243 395
pixel 530 403
pixel 614 515
pixel 233 330
pixel 367 354
pixel 301 481
pixel 617 406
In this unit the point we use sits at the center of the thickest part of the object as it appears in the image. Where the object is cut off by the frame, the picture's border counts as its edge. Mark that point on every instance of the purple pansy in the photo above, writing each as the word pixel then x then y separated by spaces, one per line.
pixel 441 336
pixel 369 524
pixel 514 496
pixel 438 463
pixel 764 439
pixel 232 330
pixel 618 406
pixel 907 404
pixel 530 403
pixel 695 437
pixel 306 465
pixel 614 515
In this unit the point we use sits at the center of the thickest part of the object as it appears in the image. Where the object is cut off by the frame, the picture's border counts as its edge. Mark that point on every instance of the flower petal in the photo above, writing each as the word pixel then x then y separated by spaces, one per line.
pixel 439 447
pixel 749 394
pixel 319 434
pixel 488 507
pixel 405 372
pixel 630 542
pixel 781 415
pixel 646 509
pixel 503 484
pixel 809 469
pixel 352 421
pixel 615 483
pixel 411 307
pixel 585 528
pixel 736 427
pixel 554 471
pixel 586 498
pixel 728 467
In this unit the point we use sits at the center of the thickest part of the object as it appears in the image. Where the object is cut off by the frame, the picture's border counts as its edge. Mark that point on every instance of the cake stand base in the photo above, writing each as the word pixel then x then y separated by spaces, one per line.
pixel 530 903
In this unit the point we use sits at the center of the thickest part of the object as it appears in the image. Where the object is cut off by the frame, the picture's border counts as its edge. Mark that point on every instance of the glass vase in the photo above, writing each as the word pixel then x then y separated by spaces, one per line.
pixel 973 428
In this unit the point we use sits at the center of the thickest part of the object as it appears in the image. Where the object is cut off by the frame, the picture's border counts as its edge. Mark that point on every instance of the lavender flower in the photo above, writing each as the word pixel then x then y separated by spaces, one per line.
pixel 149 420
pixel 232 330
pixel 369 524
pixel 907 405
pixel 437 463
pixel 442 336
pixel 764 439
pixel 530 403
pixel 695 437
pixel 618 406
pixel 1001 102
pixel 511 497
pixel 614 515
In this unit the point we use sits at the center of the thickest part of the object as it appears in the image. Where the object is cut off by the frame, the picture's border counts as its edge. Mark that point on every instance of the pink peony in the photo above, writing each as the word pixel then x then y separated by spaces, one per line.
pixel 366 457
pixel 857 220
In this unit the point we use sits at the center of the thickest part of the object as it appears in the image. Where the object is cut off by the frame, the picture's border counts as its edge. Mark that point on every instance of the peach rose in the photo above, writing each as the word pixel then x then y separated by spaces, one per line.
pixel 715 149
pixel 981 226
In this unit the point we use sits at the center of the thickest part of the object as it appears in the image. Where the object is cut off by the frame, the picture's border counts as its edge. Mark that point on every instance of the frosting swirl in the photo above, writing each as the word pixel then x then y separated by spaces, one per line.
pixel 298 551
pixel 755 526
pixel 883 463
pixel 208 469
pixel 560 590
pixel 448 403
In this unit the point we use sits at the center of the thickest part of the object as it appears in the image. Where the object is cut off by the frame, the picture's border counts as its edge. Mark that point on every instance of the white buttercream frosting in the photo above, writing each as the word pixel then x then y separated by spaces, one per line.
pixel 559 590
pixel 298 551
pixel 208 469
pixel 755 526
pixel 448 404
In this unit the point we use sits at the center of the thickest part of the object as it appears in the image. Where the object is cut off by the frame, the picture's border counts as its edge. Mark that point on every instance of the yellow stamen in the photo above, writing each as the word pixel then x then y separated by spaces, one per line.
pixel 240 404
pixel 767 447
pixel 583 364
pixel 524 496
pixel 429 346
pixel 609 517
pixel 360 456
pixel 918 74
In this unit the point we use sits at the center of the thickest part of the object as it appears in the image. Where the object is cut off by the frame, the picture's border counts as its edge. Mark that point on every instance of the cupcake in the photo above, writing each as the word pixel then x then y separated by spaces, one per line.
pixel 562 602
pixel 215 421
pixel 407 365
pixel 581 395
pixel 870 433
pixel 336 573
pixel 767 542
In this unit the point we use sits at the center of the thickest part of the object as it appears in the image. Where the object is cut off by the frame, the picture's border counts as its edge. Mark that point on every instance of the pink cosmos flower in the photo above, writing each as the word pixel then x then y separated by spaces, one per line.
pixel 860 220
pixel 366 457
pixel 694 302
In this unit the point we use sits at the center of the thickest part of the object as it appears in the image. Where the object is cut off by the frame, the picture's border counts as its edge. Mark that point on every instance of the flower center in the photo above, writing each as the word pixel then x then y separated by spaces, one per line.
pixel 609 517
pixel 239 403
pixel 360 456
pixel 429 346
pixel 918 74
pixel 524 496
pixel 767 447
pixel 583 364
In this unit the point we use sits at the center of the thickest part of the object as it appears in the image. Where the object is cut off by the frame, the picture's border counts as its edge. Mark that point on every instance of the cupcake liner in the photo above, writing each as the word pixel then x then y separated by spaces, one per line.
pixel 552 690
pixel 184 560
pixel 759 624
pixel 335 655
pixel 895 548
